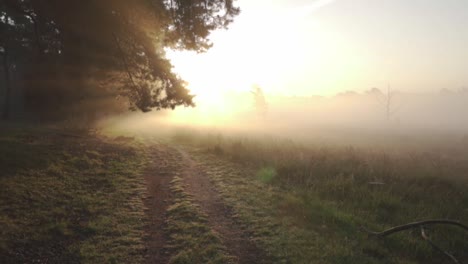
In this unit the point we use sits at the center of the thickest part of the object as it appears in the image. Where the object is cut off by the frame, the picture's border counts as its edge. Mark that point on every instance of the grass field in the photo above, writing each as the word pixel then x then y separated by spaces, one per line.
pixel 307 204
pixel 67 198
pixel 71 197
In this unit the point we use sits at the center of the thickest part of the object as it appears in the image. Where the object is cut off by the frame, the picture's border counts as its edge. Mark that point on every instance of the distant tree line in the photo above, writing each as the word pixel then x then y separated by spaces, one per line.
pixel 76 57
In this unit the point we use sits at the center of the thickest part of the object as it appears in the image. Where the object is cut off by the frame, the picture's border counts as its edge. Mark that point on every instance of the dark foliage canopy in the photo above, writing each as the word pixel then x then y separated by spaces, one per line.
pixel 74 50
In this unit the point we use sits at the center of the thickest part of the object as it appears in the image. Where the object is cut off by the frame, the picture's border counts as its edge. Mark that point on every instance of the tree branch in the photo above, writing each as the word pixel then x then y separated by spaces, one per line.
pixel 125 63
pixel 415 225
pixel 421 225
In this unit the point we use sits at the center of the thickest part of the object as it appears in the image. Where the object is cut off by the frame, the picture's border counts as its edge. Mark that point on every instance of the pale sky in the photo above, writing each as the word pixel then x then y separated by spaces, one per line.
pixel 325 47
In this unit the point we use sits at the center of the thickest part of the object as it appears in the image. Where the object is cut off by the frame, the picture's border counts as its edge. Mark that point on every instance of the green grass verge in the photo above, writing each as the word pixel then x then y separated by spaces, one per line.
pixel 68 199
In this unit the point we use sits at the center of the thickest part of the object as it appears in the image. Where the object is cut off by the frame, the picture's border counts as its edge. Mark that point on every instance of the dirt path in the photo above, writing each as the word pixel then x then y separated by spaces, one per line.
pixel 158 177
pixel 165 164
pixel 219 216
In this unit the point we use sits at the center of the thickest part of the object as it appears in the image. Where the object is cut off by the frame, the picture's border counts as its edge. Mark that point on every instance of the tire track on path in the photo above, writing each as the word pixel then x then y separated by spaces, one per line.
pixel 220 218
pixel 158 176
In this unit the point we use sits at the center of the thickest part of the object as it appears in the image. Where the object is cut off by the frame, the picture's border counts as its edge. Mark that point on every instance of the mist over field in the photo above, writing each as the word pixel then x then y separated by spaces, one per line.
pixel 349 118
pixel 384 158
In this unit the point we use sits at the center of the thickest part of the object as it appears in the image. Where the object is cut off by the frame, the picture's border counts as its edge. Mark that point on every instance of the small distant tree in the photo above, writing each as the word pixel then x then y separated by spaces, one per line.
pixel 260 103
pixel 387 99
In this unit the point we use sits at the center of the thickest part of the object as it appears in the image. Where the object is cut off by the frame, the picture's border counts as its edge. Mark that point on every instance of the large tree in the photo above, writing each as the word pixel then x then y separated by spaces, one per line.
pixel 85 50
pixel 14 44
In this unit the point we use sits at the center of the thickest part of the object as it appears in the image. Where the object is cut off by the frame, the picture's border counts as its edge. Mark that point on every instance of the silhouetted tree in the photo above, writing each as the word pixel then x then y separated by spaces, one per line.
pixel 106 48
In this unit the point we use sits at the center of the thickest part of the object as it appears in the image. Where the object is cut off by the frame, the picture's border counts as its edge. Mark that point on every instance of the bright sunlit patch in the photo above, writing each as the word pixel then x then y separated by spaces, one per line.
pixel 276 54
pixel 213 107
pixel 222 79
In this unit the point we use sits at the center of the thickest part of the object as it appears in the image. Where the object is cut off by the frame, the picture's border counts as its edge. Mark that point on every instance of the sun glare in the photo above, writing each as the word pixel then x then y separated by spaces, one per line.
pixel 272 53
pixel 234 65
pixel 221 89
pixel 292 56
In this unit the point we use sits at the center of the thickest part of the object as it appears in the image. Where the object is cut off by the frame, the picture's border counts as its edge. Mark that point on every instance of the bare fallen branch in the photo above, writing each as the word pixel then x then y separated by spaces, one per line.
pixel 421 225
pixel 415 225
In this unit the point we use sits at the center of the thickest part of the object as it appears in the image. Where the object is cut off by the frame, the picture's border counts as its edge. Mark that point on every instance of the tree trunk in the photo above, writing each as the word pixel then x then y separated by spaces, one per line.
pixel 6 69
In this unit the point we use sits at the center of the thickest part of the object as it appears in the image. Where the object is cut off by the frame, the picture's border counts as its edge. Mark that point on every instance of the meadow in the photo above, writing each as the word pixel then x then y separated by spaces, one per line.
pixel 311 202
pixel 76 197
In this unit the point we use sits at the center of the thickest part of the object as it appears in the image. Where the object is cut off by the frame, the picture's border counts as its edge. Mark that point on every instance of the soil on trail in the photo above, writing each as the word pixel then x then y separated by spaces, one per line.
pixel 158 177
pixel 219 215
pixel 168 162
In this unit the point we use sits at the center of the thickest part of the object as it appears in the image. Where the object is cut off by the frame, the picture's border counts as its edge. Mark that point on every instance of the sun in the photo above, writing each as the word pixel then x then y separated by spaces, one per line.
pixel 219 94
pixel 211 73
pixel 221 90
